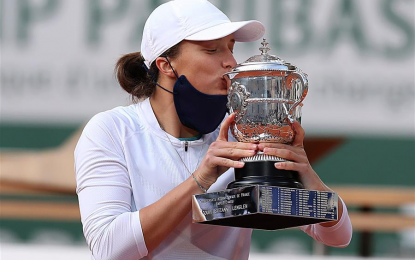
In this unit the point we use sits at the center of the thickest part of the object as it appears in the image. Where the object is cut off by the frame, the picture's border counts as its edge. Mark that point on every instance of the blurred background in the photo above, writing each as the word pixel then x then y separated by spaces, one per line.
pixel 57 60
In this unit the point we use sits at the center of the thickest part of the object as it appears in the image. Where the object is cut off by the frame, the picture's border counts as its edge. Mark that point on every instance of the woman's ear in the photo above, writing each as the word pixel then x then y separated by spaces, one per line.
pixel 164 67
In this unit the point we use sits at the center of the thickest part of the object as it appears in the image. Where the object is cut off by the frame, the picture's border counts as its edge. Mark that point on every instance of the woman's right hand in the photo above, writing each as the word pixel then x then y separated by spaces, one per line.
pixel 222 155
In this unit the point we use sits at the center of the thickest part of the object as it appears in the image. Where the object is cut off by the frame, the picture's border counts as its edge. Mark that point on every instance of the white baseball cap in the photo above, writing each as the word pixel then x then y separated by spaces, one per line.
pixel 194 20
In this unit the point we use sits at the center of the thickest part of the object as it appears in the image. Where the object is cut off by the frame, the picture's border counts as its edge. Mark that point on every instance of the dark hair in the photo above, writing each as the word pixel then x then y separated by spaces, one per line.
pixel 132 76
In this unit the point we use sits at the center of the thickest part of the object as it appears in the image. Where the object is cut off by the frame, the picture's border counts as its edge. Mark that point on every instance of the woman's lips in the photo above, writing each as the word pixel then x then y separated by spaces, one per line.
pixel 227 82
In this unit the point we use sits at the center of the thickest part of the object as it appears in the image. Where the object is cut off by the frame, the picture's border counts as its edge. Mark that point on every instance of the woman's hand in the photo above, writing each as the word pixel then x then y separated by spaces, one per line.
pixel 297 157
pixel 222 155
pixel 299 162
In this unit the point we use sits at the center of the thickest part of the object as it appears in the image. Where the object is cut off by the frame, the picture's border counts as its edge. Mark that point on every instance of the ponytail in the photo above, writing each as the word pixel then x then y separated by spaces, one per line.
pixel 132 76
pixel 134 79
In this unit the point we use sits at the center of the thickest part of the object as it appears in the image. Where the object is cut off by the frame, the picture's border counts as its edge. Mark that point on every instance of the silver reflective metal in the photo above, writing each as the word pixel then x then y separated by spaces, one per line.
pixel 266 94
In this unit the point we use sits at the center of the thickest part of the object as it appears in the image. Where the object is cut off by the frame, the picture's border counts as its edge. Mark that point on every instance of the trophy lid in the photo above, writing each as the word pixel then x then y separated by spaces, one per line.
pixel 262 62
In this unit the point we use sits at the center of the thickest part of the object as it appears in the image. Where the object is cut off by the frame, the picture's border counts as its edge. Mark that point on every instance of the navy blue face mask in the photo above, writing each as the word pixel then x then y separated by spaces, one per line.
pixel 196 110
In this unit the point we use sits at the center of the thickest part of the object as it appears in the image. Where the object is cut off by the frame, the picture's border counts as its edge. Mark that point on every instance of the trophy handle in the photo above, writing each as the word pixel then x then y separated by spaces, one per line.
pixel 237 97
pixel 304 83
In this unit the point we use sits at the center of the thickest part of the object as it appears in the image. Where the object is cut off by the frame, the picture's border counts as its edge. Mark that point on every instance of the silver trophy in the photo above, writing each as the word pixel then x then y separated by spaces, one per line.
pixel 265 94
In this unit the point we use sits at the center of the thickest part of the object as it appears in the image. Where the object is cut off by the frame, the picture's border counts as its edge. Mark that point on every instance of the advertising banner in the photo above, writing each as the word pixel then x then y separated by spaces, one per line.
pixel 58 57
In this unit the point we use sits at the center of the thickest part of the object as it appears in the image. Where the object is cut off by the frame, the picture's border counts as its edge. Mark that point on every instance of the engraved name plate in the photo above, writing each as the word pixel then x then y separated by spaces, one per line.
pixel 265 207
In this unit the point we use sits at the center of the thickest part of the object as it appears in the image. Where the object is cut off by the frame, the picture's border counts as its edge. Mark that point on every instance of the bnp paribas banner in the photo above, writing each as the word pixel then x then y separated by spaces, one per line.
pixel 57 58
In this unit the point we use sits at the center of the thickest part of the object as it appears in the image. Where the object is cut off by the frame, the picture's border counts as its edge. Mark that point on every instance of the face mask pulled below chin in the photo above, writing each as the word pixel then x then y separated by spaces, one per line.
pixel 197 110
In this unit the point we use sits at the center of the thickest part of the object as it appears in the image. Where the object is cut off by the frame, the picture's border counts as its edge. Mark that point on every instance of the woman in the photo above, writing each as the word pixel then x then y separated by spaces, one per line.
pixel 137 166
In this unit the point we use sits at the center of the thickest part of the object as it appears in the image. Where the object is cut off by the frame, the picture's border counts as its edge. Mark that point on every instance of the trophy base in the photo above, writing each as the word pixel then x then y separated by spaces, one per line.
pixel 264 173
pixel 264 207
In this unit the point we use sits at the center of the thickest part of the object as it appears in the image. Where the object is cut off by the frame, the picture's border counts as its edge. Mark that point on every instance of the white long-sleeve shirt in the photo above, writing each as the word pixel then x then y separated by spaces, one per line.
pixel 124 162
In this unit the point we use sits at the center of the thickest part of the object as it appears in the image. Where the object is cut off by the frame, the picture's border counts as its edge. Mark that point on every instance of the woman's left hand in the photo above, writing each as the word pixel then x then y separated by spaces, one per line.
pixel 297 157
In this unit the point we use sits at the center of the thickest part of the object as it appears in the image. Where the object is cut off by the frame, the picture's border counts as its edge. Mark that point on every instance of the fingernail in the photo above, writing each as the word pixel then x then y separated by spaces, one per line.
pixel 241 164
pixel 278 164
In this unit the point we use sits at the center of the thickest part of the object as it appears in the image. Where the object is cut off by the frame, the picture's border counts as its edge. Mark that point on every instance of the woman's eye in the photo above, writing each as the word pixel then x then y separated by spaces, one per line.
pixel 211 50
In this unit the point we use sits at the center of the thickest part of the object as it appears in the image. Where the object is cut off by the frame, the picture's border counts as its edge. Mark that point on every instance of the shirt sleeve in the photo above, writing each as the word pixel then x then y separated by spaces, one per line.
pixel 111 228
pixel 338 235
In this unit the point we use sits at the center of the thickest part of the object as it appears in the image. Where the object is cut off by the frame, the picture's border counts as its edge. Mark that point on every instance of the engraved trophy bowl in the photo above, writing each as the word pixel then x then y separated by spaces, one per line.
pixel 265 94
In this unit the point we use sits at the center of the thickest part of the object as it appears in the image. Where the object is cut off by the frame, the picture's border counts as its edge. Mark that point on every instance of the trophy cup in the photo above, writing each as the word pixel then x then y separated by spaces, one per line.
pixel 265 94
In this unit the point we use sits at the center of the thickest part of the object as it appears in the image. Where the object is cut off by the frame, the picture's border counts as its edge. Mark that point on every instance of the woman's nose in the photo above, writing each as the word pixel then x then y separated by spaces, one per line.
pixel 229 62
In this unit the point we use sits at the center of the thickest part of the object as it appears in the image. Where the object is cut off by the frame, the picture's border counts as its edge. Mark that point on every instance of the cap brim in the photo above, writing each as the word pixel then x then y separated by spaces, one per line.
pixel 246 31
